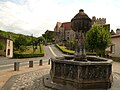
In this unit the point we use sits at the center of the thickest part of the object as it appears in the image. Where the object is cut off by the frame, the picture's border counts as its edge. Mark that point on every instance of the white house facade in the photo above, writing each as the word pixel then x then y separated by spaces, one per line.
pixel 7 51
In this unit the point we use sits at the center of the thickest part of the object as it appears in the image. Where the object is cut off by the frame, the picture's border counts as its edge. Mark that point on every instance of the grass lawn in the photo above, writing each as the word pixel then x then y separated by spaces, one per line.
pixel 28 53
pixel 116 59
pixel 30 50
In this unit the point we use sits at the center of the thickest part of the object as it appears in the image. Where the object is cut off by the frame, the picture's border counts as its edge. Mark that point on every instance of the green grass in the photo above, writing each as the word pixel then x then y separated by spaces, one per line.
pixel 115 59
pixel 30 50
pixel 39 52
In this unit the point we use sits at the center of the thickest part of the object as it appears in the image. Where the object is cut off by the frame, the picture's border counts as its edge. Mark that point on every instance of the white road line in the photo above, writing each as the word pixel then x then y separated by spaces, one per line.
pixel 13 64
pixel 20 63
pixel 52 51
pixel 6 65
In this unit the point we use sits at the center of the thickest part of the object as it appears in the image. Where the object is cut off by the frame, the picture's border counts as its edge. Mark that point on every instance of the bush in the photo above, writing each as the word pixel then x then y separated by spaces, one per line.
pixel 27 55
pixel 115 59
pixel 70 52
pixel 64 50
pixel 41 49
pixel 91 53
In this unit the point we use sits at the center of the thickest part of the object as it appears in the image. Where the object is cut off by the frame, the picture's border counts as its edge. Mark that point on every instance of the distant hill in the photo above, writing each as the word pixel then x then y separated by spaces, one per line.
pixel 13 36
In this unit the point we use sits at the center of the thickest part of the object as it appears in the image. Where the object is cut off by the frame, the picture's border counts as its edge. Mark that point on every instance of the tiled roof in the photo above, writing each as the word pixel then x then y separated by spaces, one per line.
pixel 58 24
pixel 66 25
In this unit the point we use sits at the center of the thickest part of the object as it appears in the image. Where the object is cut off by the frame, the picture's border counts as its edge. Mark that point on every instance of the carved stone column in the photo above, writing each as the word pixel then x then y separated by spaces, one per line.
pixel 81 23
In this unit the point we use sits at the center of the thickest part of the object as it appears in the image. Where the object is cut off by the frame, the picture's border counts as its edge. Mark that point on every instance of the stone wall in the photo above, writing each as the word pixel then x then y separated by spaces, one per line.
pixel 82 74
pixel 115 48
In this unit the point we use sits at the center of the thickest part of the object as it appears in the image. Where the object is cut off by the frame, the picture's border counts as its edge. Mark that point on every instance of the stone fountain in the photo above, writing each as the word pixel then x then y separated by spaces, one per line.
pixel 81 72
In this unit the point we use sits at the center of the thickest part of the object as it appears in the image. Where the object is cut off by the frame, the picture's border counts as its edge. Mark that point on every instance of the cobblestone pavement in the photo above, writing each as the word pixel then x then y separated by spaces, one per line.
pixel 34 80
pixel 27 81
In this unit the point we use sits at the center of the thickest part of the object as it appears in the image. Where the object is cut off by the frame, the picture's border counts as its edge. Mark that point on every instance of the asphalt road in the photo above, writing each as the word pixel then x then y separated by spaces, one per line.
pixel 50 52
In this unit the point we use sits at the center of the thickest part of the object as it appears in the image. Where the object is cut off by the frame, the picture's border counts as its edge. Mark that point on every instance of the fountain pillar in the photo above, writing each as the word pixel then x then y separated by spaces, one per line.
pixel 81 23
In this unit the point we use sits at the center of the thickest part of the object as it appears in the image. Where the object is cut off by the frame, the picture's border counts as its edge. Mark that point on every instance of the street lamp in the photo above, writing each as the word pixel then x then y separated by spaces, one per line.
pixel 64 36
pixel 81 23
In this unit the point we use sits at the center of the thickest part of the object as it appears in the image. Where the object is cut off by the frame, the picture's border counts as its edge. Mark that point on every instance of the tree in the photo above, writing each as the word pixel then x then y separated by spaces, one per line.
pixel 49 36
pixel 41 38
pixel 1 45
pixel 20 43
pixel 98 39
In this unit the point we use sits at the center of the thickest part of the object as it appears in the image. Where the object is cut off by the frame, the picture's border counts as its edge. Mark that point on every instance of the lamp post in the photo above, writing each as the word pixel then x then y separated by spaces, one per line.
pixel 81 23
pixel 64 36
pixel 32 43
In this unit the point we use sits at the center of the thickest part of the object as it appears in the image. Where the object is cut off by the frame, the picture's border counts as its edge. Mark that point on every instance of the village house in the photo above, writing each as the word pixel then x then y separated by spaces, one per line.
pixel 115 47
pixel 68 34
pixel 64 33
pixel 57 32
pixel 7 51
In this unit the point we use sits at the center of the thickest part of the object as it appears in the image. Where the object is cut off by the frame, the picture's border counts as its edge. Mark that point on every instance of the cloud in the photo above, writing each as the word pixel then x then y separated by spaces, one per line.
pixel 36 16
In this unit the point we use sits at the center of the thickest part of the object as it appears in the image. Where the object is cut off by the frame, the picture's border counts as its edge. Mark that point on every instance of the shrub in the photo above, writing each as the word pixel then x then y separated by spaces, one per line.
pixel 115 59
pixel 64 50
pixel 70 52
pixel 27 55
pixel 41 49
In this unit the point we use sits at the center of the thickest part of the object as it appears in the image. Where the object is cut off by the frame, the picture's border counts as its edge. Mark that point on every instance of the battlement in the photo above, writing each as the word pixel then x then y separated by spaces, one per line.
pixel 100 21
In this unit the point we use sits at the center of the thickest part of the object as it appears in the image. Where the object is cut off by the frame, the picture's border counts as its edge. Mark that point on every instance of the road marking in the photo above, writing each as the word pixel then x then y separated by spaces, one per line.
pixel 52 51
pixel 13 64
pixel 1 66
pixel 6 65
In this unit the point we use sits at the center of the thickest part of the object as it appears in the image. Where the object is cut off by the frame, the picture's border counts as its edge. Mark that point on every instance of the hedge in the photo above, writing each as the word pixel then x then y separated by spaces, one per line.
pixel 70 52
pixel 115 59
pixel 64 50
pixel 42 49
pixel 27 55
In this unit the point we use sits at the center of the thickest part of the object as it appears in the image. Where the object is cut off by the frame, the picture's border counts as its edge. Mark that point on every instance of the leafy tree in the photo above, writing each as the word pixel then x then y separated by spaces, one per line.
pixel 98 39
pixel 14 36
pixel 41 38
pixel 1 45
pixel 20 42
pixel 49 36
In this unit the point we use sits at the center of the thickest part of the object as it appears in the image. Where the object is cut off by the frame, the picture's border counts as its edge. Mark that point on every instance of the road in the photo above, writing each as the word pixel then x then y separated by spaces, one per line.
pixel 50 52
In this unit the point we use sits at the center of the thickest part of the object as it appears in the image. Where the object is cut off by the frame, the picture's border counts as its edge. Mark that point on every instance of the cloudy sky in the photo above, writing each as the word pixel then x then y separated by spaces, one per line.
pixel 36 16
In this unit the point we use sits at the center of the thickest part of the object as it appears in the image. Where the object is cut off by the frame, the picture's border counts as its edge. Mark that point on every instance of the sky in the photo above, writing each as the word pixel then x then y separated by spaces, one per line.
pixel 36 16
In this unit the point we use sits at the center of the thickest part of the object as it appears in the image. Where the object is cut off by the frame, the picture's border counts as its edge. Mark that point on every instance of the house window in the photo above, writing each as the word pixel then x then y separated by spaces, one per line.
pixel 67 38
pixel 8 51
pixel 113 49
pixel 9 43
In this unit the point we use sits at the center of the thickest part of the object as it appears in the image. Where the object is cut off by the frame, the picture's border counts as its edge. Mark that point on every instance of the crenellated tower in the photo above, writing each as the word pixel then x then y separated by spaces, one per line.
pixel 100 21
